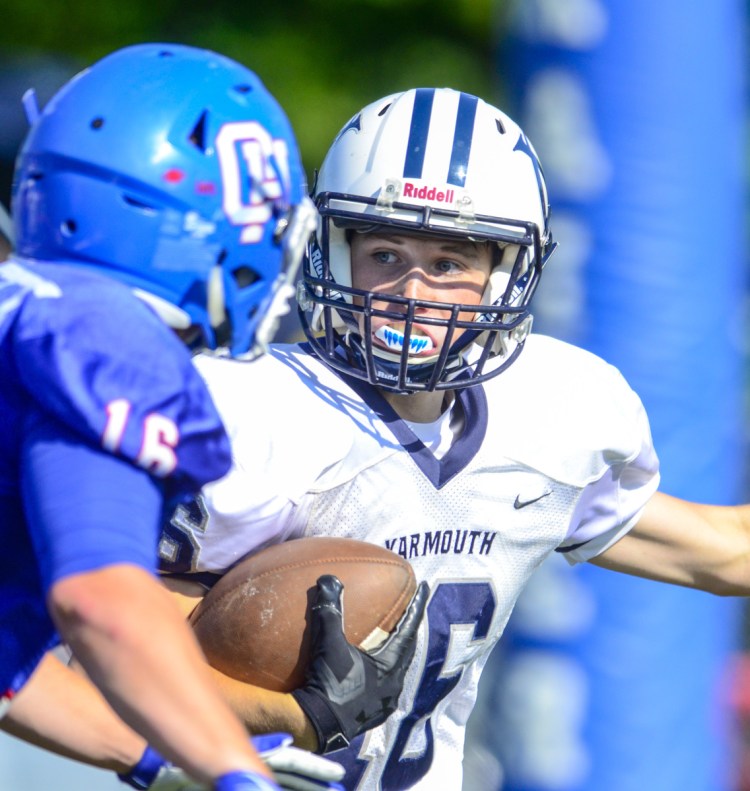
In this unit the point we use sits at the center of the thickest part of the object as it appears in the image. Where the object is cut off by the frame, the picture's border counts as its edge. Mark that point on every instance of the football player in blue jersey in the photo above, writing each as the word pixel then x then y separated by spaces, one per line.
pixel 429 419
pixel 159 204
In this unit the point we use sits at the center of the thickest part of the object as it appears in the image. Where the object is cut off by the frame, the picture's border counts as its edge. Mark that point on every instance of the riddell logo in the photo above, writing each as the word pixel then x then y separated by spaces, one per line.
pixel 428 193
pixel 317 260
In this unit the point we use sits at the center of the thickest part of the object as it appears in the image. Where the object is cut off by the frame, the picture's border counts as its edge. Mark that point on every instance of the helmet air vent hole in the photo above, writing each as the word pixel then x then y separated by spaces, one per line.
pixel 384 110
pixel 139 204
pixel 166 53
pixel 198 134
pixel 243 88
pixel 69 227
pixel 500 127
pixel 97 123
pixel 244 276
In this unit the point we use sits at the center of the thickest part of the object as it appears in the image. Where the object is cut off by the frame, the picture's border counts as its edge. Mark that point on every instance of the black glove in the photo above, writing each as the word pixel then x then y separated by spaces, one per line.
pixel 347 690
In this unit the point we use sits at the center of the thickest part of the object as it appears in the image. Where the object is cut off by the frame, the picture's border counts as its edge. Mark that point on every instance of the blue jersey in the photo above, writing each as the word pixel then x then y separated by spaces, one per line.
pixel 103 420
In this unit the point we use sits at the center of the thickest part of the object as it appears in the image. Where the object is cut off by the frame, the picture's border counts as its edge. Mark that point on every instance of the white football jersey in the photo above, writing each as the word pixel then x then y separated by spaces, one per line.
pixel 555 454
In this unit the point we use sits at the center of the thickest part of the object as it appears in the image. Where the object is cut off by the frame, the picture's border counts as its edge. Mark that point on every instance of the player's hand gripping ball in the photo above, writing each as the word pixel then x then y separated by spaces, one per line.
pixel 252 625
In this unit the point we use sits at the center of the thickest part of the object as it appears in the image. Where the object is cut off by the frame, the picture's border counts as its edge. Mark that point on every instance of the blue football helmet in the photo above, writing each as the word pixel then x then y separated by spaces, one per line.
pixel 442 163
pixel 174 170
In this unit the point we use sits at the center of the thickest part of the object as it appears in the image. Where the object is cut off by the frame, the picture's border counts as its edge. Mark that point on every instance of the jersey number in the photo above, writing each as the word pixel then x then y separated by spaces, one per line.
pixel 453 605
pixel 178 548
pixel 159 439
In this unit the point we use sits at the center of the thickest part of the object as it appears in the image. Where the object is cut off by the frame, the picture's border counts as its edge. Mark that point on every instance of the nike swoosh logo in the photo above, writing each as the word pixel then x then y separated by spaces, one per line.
pixel 519 503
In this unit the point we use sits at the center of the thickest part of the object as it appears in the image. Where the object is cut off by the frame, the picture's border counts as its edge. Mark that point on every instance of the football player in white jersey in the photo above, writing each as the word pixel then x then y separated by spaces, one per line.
pixel 422 414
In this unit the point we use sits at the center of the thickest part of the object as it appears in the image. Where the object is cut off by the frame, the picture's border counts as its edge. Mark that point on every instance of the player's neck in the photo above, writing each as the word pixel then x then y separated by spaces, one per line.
pixel 419 407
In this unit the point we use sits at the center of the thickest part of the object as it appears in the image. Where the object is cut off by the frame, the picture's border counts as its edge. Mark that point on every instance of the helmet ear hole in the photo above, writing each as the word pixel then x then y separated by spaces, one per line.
pixel 245 276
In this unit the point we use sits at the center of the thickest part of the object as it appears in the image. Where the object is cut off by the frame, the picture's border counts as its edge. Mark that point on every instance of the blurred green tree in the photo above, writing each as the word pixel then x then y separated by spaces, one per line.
pixel 323 59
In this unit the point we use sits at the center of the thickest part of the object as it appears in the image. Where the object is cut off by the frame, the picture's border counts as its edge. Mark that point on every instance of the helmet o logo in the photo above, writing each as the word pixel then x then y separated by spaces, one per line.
pixel 255 175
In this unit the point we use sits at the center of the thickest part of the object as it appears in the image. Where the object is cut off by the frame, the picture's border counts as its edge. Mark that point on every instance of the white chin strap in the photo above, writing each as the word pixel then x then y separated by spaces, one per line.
pixel 170 314
pixel 216 307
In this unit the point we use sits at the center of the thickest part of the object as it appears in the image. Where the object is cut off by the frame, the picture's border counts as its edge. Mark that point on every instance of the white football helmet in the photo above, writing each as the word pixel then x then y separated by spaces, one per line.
pixel 440 162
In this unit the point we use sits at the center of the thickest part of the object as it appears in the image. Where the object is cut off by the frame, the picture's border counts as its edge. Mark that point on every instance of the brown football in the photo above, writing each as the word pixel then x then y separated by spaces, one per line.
pixel 252 624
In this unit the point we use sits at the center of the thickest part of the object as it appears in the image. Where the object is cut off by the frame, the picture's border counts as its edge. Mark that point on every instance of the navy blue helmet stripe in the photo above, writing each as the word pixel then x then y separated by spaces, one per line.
pixel 467 111
pixel 420 126
pixel 522 144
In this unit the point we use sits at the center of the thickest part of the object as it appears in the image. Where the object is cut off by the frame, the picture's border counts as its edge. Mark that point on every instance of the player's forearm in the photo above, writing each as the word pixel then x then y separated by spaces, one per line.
pixel 699 546
pixel 55 697
pixel 261 710
pixel 727 568
pixel 264 711
pixel 155 678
